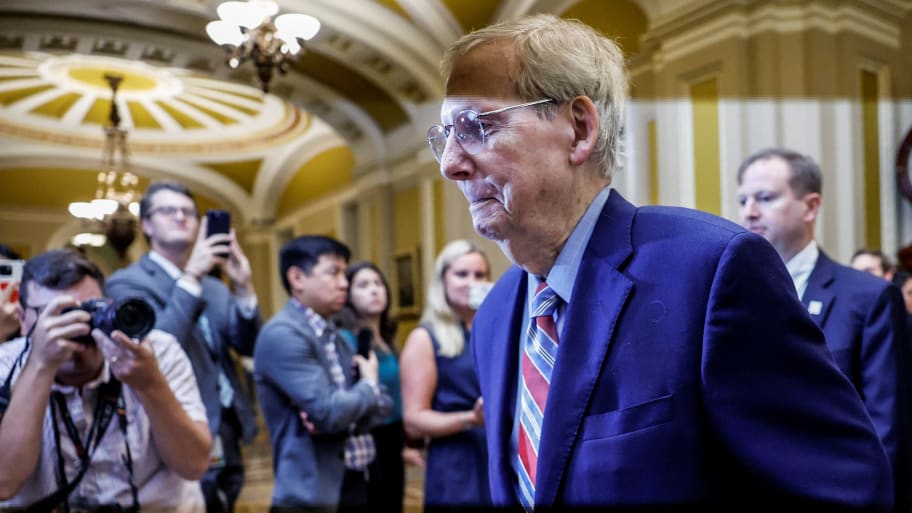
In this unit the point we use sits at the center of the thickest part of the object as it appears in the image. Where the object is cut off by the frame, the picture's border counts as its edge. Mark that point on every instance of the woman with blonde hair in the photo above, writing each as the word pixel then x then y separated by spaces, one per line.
pixel 440 392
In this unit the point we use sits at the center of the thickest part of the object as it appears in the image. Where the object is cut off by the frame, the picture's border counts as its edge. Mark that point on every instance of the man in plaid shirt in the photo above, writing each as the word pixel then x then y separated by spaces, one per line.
pixel 317 414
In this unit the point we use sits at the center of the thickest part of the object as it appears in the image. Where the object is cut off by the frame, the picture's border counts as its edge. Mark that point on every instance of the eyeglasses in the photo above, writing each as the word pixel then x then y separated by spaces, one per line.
pixel 170 211
pixel 469 131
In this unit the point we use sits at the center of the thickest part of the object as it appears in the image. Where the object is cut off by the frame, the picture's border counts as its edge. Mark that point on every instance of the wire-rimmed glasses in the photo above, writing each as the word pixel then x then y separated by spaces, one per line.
pixel 469 131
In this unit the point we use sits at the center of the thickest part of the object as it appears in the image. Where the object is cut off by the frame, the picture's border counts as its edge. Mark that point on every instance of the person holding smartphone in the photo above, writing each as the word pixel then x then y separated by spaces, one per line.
pixel 9 291
pixel 205 316
pixel 368 326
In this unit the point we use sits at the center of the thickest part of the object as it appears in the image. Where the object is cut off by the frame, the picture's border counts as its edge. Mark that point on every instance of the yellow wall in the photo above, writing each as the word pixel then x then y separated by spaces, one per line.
pixel 263 263
pixel 406 236
pixel 321 175
pixel 870 150
pixel 653 138
pixel 406 220
pixel 439 222
pixel 704 97
pixel 319 222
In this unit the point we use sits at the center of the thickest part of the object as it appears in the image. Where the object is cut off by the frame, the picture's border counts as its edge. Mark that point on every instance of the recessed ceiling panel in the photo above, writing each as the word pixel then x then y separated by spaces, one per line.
pixel 66 99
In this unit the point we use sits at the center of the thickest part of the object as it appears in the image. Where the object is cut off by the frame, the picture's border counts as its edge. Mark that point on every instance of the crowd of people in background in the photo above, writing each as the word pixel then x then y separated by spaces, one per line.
pixel 631 356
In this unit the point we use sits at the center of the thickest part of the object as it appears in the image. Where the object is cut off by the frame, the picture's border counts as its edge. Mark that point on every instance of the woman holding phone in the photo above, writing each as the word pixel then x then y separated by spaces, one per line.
pixel 366 317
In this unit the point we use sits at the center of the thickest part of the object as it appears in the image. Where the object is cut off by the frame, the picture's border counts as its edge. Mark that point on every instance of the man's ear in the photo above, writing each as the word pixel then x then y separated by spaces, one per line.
pixel 295 275
pixel 142 226
pixel 585 121
pixel 812 204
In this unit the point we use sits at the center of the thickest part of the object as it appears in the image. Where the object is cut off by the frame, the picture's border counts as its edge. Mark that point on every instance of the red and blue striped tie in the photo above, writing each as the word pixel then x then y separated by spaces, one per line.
pixel 539 352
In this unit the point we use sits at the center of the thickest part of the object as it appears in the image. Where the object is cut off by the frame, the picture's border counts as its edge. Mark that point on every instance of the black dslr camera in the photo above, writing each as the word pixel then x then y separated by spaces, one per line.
pixel 133 316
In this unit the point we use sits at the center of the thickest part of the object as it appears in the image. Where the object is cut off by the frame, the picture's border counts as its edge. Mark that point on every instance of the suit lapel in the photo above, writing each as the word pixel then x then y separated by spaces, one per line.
pixel 818 297
pixel 498 361
pixel 164 284
pixel 599 295
pixel 297 318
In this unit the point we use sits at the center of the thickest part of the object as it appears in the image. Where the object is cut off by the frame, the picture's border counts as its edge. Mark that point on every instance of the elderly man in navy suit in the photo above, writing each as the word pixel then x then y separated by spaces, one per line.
pixel 633 356
pixel 862 317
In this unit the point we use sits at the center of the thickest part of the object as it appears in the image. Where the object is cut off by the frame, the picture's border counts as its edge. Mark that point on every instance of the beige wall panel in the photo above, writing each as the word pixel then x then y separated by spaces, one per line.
pixel 320 222
pixel 406 220
pixel 21 232
pixel 264 264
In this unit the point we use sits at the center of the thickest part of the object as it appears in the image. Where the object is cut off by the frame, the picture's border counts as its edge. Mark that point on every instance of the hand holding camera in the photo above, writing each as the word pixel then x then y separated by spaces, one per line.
pixel 56 330
pixel 132 360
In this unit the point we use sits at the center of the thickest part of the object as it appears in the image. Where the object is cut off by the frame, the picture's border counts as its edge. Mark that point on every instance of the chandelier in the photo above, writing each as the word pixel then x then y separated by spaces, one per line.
pixel 247 31
pixel 115 191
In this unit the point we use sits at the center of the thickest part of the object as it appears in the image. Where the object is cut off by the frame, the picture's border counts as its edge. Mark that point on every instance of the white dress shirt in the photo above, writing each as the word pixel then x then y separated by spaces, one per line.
pixel 801 265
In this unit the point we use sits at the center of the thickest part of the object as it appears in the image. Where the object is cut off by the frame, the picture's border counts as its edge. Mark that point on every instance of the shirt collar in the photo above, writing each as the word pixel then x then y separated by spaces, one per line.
pixel 315 320
pixel 173 271
pixel 563 274
pixel 804 261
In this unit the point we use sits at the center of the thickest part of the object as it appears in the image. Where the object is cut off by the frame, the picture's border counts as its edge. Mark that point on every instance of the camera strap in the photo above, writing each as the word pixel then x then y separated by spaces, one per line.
pixel 110 401
pixel 6 392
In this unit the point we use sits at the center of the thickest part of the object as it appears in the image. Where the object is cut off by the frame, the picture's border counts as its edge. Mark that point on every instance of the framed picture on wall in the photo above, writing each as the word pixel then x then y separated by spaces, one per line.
pixel 407 283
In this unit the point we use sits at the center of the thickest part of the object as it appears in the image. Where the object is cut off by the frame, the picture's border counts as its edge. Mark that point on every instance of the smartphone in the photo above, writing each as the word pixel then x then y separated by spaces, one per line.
pixel 11 272
pixel 365 337
pixel 218 221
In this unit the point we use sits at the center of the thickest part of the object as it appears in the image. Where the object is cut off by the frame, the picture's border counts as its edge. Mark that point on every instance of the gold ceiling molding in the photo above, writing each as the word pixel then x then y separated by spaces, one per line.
pixel 394 6
pixel 472 14
pixel 243 173
pixel 294 124
pixel 700 25
pixel 62 100
pixel 625 22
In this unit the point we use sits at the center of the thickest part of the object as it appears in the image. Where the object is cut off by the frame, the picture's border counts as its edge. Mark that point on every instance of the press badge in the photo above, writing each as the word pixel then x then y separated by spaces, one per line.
pixel 217 455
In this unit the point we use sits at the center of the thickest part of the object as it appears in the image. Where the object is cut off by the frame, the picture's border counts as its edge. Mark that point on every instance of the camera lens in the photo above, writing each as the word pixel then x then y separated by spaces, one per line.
pixel 134 317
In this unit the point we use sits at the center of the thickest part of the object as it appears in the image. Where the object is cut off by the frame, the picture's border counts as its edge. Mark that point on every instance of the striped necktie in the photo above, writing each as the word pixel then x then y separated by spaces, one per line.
pixel 539 352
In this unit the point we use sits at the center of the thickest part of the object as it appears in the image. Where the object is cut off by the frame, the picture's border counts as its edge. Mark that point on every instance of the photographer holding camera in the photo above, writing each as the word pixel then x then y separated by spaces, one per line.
pixel 106 423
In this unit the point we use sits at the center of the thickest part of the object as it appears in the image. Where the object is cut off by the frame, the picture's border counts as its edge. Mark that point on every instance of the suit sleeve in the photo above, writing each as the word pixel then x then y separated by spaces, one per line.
pixel 243 330
pixel 883 334
pixel 774 395
pixel 288 359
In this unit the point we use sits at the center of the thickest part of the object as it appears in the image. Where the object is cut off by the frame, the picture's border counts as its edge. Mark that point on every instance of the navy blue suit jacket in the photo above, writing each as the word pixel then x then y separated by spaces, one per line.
pixel 863 319
pixel 688 372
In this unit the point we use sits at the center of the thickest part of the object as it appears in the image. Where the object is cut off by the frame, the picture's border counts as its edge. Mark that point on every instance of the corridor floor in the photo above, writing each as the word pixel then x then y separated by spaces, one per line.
pixel 258 487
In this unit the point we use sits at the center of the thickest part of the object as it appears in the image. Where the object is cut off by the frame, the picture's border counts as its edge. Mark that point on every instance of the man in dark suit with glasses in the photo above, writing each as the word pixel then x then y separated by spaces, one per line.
pixel 205 316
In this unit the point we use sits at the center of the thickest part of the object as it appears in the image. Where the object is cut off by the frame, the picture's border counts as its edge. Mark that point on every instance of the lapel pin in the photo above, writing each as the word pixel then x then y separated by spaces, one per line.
pixel 815 307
